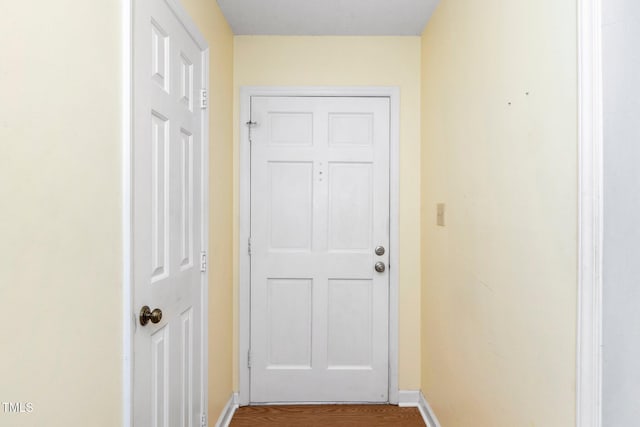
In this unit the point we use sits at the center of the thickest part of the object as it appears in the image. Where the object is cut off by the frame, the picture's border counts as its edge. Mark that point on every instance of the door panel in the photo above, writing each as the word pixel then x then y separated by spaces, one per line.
pixel 289 307
pixel 319 206
pixel 168 226
pixel 350 206
pixel 159 378
pixel 290 190
pixel 350 326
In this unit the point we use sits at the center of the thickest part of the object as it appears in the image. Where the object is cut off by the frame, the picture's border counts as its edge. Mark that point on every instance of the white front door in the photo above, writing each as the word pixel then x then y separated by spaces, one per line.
pixel 168 218
pixel 319 209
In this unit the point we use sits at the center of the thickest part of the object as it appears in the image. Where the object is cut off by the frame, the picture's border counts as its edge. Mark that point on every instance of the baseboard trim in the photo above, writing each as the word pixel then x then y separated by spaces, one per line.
pixel 227 413
pixel 408 398
pixel 415 398
pixel 429 416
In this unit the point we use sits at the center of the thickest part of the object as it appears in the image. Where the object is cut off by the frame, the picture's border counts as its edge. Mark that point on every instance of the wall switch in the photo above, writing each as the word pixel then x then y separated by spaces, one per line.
pixel 440 214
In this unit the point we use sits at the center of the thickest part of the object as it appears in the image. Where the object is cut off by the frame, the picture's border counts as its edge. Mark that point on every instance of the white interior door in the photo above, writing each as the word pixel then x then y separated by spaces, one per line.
pixel 168 218
pixel 319 208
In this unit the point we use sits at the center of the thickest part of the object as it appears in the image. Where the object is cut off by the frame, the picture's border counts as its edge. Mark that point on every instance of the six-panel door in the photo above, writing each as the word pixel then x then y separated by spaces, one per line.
pixel 319 207
pixel 167 218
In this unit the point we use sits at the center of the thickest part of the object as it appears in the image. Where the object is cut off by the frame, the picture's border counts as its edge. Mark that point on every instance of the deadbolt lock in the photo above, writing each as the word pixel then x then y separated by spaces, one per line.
pixel 379 250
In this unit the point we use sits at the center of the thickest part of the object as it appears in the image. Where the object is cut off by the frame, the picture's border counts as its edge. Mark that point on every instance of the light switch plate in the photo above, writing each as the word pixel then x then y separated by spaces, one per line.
pixel 440 214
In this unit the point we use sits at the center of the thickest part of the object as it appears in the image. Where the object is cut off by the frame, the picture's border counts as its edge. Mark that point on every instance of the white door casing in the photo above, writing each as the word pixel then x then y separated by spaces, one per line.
pixel 589 343
pixel 169 215
pixel 246 94
pixel 319 207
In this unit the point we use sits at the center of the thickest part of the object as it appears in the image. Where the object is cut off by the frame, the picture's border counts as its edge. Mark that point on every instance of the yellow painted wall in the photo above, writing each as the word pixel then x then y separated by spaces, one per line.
pixel 60 210
pixel 353 61
pixel 499 147
pixel 490 301
pixel 214 27
pixel 60 217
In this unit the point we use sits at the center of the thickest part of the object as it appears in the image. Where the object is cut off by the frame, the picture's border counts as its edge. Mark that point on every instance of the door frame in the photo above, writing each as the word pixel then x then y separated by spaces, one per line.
pixel 590 214
pixel 127 117
pixel 244 260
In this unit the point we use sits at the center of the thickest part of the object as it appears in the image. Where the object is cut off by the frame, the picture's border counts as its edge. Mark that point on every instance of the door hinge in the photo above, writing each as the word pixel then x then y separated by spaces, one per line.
pixel 203 420
pixel 203 261
pixel 250 124
pixel 204 98
pixel 249 246
pixel 249 359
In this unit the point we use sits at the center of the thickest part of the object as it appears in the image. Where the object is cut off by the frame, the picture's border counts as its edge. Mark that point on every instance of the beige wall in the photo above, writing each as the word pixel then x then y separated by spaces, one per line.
pixel 354 61
pixel 60 210
pixel 60 222
pixel 214 27
pixel 488 300
pixel 499 147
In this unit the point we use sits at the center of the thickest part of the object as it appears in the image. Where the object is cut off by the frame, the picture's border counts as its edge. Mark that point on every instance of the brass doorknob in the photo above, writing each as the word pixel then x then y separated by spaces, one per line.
pixel 146 314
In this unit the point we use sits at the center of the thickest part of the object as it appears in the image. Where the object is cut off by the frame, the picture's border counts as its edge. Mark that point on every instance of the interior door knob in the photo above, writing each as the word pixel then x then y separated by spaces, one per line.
pixel 147 315
pixel 380 267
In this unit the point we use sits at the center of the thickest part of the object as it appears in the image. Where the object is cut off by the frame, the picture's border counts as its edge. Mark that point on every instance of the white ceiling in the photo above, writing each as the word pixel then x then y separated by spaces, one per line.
pixel 328 17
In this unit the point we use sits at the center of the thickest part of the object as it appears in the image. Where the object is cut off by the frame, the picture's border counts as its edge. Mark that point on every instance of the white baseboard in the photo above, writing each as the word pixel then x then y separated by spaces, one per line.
pixel 415 398
pixel 227 413
pixel 408 398
pixel 429 416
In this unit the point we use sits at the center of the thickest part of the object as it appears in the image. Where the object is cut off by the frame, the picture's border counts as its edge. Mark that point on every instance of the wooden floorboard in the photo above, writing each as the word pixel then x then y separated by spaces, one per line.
pixel 326 415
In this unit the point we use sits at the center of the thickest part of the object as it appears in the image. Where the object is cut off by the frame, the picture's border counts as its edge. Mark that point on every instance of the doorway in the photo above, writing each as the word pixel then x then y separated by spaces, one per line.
pixel 318 296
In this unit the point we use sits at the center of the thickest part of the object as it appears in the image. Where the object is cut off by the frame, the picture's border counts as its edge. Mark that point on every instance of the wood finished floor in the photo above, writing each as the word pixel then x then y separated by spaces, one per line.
pixel 326 415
